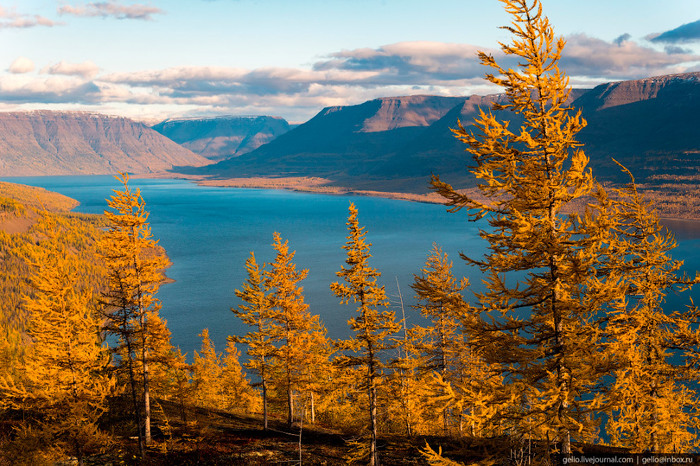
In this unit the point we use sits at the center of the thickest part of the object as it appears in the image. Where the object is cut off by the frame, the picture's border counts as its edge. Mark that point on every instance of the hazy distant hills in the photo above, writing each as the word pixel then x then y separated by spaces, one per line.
pixel 69 143
pixel 651 125
pixel 223 137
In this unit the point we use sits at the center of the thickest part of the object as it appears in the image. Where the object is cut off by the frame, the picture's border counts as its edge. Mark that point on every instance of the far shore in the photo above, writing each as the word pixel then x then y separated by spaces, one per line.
pixel 682 203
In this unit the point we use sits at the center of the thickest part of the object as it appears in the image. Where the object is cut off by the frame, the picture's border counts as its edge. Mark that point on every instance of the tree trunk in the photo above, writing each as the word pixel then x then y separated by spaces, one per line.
pixel 313 409
pixel 264 386
pixel 134 397
pixel 146 383
pixel 373 456
pixel 290 407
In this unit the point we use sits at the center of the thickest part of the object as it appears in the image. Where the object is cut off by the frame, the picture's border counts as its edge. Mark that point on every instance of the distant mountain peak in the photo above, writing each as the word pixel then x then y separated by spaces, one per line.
pixel 649 125
pixel 224 136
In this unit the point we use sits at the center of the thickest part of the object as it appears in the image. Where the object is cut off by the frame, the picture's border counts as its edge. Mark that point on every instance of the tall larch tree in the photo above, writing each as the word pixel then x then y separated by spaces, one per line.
pixel 461 378
pixel 653 406
pixel 537 316
pixel 135 267
pixel 256 312
pixel 299 336
pixel 372 326
pixel 65 382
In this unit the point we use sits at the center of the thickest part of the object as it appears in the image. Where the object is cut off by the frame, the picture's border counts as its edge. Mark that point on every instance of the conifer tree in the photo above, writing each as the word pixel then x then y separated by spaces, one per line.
pixel 371 326
pixel 440 301
pixel 238 395
pixel 652 407
pixel 64 383
pixel 407 383
pixel 256 313
pixel 462 380
pixel 207 374
pixel 135 273
pixel 300 337
pixel 537 317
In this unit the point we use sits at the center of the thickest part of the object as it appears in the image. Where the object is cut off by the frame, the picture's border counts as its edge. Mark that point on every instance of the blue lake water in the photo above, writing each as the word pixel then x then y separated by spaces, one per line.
pixel 208 233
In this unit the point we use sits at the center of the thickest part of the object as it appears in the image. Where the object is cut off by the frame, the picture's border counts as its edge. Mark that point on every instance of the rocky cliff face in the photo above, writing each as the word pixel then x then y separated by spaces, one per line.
pixel 63 143
pixel 627 92
pixel 223 137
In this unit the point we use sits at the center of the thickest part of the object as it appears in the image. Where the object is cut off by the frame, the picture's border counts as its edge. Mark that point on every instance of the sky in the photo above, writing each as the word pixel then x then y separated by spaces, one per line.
pixel 155 59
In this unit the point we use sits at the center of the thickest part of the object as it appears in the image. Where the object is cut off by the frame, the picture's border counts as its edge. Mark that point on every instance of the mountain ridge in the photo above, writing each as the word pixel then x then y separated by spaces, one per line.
pixel 221 137
pixel 649 125
pixel 45 142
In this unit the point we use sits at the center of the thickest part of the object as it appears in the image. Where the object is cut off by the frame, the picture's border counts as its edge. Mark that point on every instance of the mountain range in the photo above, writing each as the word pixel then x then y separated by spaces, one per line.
pixel 649 125
pixel 223 137
pixel 387 144
pixel 78 143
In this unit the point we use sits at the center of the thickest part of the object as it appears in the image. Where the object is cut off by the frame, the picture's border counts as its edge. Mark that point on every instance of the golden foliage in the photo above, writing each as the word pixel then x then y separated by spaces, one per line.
pixel 62 381
pixel 135 273
pixel 540 325
pixel 371 326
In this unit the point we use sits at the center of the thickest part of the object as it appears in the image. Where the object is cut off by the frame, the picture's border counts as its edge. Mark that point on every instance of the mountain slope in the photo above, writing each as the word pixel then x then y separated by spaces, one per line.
pixel 649 125
pixel 341 142
pixel 394 144
pixel 70 143
pixel 223 137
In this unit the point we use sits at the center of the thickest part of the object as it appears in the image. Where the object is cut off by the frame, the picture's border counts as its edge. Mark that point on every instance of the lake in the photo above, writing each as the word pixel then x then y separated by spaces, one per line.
pixel 208 233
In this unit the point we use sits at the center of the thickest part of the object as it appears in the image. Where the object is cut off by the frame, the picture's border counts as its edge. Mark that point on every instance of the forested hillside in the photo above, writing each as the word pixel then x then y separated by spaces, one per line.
pixel 569 351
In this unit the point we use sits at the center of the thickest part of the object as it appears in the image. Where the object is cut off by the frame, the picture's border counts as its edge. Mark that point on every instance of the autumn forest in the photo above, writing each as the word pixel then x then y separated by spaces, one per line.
pixel 569 349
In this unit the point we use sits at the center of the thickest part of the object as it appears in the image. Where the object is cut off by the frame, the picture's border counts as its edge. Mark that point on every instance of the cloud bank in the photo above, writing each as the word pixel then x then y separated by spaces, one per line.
pixel 340 78
pixel 686 33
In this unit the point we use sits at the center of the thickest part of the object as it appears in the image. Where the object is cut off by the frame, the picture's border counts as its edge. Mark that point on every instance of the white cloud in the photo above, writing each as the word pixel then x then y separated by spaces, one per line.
pixel 111 8
pixel 9 18
pixel 85 69
pixel 586 56
pixel 21 65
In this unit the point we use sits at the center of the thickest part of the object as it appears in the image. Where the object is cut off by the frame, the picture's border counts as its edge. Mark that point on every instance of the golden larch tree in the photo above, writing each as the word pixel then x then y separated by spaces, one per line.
pixel 372 326
pixel 135 268
pixel 256 312
pixel 461 381
pixel 537 317
pixel 299 337
pixel 207 374
pixel 238 395
pixel 653 406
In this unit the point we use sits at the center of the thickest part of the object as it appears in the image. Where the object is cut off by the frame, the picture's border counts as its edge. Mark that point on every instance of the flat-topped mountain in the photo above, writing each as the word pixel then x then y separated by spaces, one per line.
pixel 223 137
pixel 342 142
pixel 390 113
pixel 649 125
pixel 70 143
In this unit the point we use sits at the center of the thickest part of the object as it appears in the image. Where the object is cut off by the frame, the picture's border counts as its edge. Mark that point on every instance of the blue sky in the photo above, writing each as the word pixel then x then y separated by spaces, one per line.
pixel 158 59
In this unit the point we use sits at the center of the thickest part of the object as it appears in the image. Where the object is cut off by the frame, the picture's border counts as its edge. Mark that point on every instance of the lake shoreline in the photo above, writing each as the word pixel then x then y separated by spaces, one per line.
pixel 688 211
